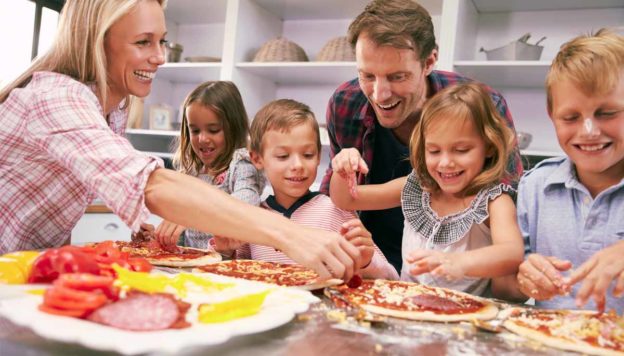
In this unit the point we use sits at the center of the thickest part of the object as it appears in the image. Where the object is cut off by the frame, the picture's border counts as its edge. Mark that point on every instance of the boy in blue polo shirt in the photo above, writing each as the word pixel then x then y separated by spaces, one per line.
pixel 571 209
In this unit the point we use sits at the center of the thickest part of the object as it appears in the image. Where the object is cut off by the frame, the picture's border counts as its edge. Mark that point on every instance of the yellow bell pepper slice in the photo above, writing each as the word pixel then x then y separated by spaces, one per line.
pixel 183 279
pixel 10 272
pixel 144 282
pixel 24 259
pixel 155 283
pixel 232 309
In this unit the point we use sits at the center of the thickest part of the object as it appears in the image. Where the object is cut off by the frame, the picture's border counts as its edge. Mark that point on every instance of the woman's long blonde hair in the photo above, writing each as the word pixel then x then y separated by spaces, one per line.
pixel 225 100
pixel 469 101
pixel 78 48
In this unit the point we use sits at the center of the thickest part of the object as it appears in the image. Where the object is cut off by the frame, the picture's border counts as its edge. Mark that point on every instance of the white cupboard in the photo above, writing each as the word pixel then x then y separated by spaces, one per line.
pixel 233 30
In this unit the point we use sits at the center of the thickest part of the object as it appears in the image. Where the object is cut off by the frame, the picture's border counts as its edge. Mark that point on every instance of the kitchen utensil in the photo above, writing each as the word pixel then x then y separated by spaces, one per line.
pixel 194 59
pixel 516 50
pixel 524 139
pixel 174 51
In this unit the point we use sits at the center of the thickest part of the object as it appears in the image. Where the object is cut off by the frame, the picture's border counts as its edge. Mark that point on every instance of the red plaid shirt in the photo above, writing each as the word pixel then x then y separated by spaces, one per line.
pixel 351 122
pixel 57 154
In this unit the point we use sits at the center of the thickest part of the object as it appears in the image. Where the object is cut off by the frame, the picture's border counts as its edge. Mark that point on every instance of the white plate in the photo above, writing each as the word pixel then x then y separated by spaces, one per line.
pixel 279 308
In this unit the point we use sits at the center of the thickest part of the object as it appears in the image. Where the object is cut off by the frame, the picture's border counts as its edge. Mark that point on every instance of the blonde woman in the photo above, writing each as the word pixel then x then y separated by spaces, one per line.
pixel 62 145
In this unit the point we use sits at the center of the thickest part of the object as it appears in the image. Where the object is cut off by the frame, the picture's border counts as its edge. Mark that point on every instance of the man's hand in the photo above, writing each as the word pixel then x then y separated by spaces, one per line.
pixel 539 277
pixel 597 273
pixel 355 232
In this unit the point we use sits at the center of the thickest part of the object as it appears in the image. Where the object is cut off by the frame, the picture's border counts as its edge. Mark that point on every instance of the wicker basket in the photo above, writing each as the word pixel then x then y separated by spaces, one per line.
pixel 280 50
pixel 336 50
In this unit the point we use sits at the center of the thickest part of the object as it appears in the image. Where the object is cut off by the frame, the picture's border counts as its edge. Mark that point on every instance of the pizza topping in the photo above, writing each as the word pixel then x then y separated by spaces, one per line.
pixel 598 330
pixel 355 281
pixel 269 272
pixel 435 303
pixel 139 312
pixel 406 296
pixel 232 309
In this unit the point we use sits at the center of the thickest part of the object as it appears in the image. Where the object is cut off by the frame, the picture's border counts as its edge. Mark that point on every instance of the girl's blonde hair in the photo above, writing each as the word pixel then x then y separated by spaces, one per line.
pixel 470 101
pixel 281 115
pixel 225 100
pixel 592 62
pixel 78 48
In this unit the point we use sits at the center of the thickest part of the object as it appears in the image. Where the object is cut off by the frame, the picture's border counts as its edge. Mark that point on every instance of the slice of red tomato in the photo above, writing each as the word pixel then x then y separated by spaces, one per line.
pixel 70 299
pixel 90 282
pixel 84 281
pixel 77 313
pixel 139 264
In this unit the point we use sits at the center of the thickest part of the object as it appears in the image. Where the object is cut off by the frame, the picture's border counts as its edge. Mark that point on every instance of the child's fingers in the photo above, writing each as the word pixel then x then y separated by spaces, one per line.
pixel 618 290
pixel 561 265
pixel 361 242
pixel 582 272
pixel 357 232
pixel 418 255
pixel 416 270
pixel 534 270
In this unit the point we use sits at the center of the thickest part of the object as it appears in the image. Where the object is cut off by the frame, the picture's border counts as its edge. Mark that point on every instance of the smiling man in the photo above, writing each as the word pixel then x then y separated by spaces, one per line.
pixel 396 53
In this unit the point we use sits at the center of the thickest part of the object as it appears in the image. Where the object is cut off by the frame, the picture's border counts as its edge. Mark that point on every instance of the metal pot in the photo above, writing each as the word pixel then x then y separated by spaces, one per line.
pixel 174 52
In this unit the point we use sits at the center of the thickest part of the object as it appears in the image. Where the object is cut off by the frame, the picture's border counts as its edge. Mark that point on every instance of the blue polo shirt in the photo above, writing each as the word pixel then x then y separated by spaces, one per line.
pixel 558 217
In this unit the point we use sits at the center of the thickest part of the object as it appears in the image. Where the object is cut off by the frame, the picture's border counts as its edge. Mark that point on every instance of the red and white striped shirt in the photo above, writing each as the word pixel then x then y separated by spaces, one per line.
pixel 321 213
pixel 57 153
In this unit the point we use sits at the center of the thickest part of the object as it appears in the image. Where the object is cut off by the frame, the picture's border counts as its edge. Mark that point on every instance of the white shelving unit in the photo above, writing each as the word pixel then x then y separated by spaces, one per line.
pixel 234 30
pixel 494 23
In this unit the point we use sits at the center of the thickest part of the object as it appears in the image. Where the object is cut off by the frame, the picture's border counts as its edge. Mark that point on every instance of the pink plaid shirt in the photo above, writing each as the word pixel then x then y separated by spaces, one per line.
pixel 57 154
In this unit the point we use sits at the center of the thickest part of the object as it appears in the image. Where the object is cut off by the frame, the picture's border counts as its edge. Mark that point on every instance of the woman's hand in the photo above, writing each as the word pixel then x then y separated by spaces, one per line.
pixel 539 277
pixel 597 273
pixel 168 233
pixel 439 264
pixel 355 232
pixel 326 252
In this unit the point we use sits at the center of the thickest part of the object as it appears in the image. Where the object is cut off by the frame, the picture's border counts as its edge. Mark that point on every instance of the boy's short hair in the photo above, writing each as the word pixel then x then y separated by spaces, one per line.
pixel 402 24
pixel 281 115
pixel 592 62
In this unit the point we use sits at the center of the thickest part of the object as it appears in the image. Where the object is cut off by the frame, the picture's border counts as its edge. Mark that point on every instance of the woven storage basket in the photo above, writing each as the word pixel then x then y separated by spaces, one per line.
pixel 336 50
pixel 280 50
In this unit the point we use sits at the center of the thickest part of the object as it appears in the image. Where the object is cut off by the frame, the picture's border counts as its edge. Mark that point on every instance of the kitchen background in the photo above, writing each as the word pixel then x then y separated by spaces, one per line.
pixel 220 39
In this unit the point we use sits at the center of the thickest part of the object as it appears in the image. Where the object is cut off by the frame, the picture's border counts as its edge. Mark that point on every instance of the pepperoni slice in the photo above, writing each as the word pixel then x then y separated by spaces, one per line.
pixel 139 312
pixel 435 303
pixel 355 281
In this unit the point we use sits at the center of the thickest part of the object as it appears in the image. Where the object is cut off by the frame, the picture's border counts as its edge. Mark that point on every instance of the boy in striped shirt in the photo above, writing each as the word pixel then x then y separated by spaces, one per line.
pixel 285 144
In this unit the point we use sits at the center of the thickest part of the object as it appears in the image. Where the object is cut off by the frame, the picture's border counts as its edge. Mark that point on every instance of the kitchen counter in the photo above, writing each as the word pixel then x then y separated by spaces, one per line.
pixel 315 333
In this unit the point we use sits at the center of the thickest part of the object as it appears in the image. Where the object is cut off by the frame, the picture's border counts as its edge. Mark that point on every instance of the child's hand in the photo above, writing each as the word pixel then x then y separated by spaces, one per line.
pixel 439 264
pixel 539 277
pixel 597 274
pixel 355 232
pixel 226 245
pixel 347 162
pixel 168 233
pixel 145 233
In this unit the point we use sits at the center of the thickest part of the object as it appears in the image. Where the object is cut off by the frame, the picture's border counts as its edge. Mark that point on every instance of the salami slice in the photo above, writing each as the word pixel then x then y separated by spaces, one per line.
pixel 139 312
pixel 432 302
